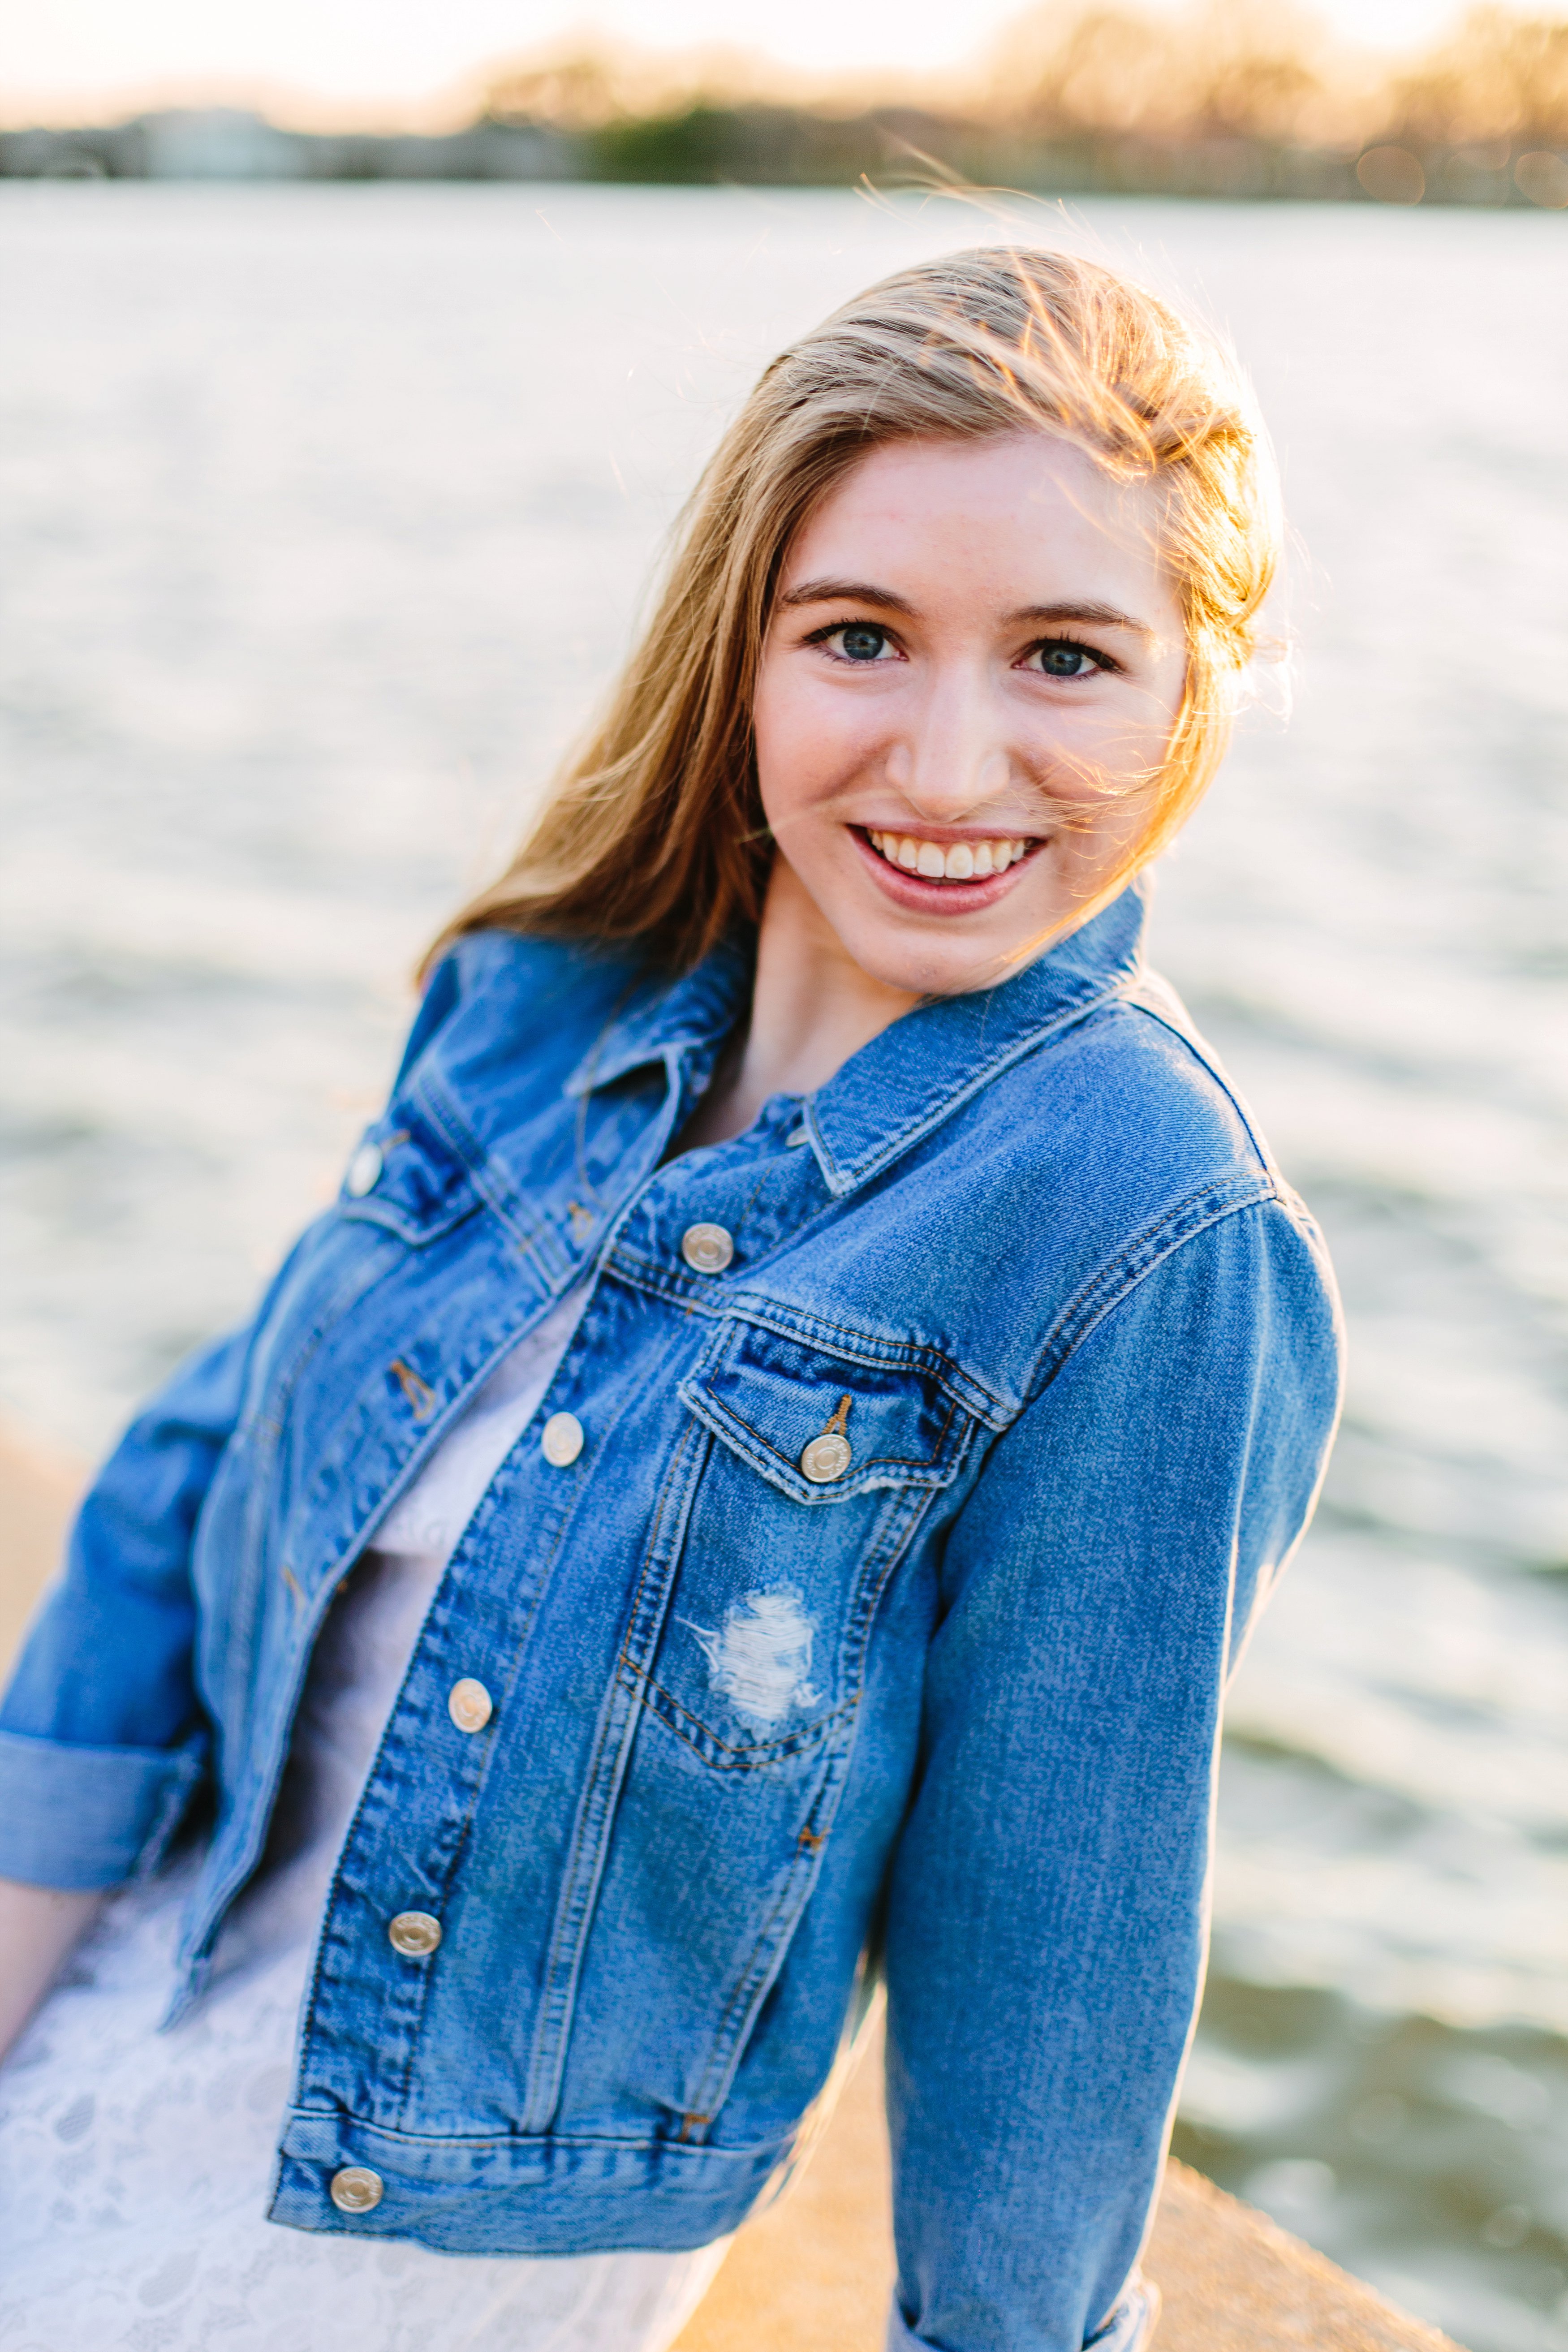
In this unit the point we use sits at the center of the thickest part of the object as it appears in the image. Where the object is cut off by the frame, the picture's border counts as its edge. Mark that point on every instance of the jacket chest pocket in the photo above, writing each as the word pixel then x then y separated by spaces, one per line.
pixel 820 1468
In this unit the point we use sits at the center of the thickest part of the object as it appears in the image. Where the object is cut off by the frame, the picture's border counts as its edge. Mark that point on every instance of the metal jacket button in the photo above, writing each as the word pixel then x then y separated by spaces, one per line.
pixel 356 2188
pixel 829 1453
pixel 364 1171
pixel 469 1704
pixel 826 1459
pixel 414 1933
pixel 707 1248
pixel 561 1439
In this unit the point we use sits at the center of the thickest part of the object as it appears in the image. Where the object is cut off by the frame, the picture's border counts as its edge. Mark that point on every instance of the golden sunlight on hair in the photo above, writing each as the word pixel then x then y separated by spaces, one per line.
pixel 653 830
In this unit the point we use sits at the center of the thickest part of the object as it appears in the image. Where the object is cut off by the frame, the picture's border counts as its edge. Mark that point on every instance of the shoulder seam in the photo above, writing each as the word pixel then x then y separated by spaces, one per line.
pixel 1210 1206
pixel 1201 1053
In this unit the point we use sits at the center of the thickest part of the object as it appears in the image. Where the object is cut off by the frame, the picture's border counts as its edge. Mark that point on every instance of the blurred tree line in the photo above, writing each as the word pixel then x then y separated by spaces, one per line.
pixel 1226 98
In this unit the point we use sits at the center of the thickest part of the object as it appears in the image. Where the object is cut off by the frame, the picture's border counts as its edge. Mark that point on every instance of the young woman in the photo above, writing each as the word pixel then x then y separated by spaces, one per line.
pixel 754 1490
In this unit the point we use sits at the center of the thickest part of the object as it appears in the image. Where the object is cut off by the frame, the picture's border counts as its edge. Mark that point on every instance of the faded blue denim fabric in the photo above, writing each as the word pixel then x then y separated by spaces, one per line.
pixel 950 1711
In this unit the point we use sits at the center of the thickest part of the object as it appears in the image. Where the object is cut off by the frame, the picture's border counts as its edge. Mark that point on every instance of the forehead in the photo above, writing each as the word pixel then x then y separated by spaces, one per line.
pixel 1019 503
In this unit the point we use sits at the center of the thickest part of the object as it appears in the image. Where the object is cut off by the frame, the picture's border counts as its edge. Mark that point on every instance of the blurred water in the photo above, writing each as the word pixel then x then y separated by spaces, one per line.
pixel 323 515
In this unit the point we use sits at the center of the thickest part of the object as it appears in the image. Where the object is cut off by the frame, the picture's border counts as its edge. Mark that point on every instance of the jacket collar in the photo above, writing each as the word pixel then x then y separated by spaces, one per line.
pixel 910 1077
pixel 913 1074
pixel 663 1021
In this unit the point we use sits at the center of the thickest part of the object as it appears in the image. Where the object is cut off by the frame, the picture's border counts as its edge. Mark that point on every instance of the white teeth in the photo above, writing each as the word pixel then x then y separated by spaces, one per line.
pixel 963 862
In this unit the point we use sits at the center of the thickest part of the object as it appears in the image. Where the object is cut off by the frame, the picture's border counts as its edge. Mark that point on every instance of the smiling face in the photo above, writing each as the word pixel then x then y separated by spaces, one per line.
pixel 964 697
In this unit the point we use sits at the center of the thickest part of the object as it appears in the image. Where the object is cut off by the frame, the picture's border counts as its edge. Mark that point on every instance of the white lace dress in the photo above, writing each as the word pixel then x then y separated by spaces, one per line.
pixel 134 2165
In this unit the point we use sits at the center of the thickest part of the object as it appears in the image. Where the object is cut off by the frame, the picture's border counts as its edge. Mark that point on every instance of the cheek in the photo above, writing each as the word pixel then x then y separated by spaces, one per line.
pixel 805 739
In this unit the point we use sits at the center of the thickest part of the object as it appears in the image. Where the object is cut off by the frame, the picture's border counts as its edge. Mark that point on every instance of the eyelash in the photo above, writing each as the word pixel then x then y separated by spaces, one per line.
pixel 1104 663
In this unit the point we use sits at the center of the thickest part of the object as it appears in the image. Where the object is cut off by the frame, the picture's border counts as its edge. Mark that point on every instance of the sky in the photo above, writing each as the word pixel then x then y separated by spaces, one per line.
pixel 56 56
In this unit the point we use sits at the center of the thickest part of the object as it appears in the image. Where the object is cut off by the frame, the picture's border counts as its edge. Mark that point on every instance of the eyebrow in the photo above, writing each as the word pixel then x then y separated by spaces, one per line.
pixel 865 592
pixel 1104 617
pixel 846 592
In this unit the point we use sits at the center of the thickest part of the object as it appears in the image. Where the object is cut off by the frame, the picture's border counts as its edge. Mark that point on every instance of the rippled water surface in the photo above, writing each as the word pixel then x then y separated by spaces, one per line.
pixel 323 515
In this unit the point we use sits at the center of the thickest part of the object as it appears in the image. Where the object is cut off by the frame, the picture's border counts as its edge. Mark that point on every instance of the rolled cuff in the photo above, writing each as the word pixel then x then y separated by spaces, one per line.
pixel 84 1817
pixel 1127 2329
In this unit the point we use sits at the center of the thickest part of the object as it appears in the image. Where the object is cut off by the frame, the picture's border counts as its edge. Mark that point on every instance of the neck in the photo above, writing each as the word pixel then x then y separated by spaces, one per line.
pixel 812 1008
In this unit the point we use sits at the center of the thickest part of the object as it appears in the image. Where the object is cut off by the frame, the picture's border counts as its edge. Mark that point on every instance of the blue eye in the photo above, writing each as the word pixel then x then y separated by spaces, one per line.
pixel 860 641
pixel 1060 657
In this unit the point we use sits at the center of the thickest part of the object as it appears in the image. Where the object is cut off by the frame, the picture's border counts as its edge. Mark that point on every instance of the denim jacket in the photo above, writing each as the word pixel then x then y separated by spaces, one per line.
pixel 861 1600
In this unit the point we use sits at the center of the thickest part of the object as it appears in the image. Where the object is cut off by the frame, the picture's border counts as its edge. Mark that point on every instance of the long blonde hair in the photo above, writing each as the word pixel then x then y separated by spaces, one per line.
pixel 654 831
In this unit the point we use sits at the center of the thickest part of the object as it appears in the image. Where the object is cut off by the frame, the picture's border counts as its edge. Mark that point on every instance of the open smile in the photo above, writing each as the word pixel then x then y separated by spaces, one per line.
pixel 951 861
pixel 952 877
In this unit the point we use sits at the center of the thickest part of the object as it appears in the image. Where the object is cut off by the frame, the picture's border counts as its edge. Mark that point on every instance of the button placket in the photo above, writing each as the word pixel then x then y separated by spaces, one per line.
pixel 469 1704
pixel 414 1933
pixel 560 1440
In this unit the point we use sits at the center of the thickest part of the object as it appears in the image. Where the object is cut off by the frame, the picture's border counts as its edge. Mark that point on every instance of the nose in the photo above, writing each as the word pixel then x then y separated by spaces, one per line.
pixel 953 757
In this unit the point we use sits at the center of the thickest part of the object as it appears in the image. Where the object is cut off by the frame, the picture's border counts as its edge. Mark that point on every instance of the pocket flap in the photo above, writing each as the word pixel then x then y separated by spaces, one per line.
pixel 823 1427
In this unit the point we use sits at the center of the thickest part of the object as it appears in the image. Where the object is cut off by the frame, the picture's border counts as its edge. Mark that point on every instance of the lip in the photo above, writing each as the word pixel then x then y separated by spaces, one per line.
pixel 921 897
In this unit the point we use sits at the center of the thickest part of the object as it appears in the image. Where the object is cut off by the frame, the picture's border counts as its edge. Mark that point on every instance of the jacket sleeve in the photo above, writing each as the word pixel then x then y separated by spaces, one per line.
pixel 102 1741
pixel 1048 1905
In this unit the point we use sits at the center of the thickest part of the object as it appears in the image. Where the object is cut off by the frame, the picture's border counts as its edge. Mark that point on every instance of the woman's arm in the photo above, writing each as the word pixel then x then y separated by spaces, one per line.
pixel 1048 1900
pixel 40 1927
pixel 103 1739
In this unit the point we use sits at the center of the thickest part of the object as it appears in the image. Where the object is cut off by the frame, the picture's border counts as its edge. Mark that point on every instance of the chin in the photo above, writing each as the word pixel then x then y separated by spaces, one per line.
pixel 916 968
